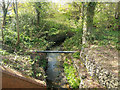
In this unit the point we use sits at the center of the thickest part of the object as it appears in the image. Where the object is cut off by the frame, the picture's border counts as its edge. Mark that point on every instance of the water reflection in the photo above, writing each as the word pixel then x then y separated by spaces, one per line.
pixel 53 70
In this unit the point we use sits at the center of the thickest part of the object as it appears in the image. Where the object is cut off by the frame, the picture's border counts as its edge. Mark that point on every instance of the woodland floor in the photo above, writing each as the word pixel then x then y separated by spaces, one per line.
pixel 105 56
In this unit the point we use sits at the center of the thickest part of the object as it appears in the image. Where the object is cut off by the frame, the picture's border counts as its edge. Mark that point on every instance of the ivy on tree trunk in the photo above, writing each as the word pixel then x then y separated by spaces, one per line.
pixel 88 15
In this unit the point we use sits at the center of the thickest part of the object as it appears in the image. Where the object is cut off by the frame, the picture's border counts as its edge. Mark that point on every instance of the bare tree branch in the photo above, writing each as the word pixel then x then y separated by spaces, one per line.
pixel 14 7
pixel 1 4
pixel 8 3
pixel 3 7
pixel 40 33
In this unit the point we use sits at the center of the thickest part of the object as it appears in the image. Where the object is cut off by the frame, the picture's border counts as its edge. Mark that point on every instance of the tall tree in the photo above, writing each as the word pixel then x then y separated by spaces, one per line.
pixel 90 15
pixel 82 13
pixel 117 14
pixel 88 21
pixel 5 6
pixel 37 7
pixel 15 7
pixel 84 25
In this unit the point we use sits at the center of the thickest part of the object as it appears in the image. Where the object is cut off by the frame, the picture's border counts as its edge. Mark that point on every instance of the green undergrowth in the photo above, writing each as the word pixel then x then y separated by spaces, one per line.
pixel 56 27
pixel 73 43
pixel 106 38
pixel 41 61
pixel 76 55
pixel 4 52
pixel 26 42
pixel 38 67
pixel 24 64
pixel 71 74
pixel 19 63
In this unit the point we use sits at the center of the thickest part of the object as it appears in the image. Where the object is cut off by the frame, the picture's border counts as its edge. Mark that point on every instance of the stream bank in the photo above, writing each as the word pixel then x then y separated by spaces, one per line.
pixel 77 76
pixel 101 64
pixel 39 66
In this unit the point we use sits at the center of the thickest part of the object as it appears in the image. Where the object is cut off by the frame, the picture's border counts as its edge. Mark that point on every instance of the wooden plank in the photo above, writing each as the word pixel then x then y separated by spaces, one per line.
pixel 54 51
pixel 14 79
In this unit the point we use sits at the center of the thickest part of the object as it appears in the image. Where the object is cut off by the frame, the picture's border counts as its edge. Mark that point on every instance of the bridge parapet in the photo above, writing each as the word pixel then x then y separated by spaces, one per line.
pixel 14 79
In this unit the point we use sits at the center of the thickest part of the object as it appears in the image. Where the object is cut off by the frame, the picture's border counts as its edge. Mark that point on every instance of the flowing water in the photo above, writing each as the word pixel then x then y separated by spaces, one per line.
pixel 55 76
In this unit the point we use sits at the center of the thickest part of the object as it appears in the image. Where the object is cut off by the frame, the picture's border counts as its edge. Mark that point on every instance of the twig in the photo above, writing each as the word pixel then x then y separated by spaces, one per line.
pixel 40 30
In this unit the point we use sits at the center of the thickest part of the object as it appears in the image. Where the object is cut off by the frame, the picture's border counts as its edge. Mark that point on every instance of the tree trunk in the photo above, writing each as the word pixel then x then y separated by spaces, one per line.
pixel 4 20
pixel 17 24
pixel 88 21
pixel 82 11
pixel 3 27
pixel 4 9
pixel 90 15
pixel 38 17
pixel 84 26
pixel 117 11
pixel 117 14
pixel 38 6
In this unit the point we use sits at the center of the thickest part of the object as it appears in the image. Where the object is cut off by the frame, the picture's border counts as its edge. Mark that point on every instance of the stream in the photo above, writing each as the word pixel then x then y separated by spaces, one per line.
pixel 55 71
